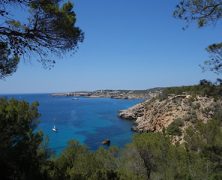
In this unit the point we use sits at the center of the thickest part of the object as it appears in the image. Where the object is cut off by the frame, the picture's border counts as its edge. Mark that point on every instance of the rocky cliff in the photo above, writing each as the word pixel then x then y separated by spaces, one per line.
pixel 157 114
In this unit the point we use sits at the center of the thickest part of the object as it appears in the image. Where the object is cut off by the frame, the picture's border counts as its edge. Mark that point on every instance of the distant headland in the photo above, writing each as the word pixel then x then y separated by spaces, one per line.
pixel 115 94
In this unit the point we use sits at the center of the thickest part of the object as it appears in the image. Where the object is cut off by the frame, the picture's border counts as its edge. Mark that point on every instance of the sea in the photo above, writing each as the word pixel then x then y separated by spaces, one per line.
pixel 87 120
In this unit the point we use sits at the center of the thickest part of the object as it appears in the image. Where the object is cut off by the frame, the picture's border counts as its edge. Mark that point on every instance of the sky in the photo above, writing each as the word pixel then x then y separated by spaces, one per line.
pixel 129 44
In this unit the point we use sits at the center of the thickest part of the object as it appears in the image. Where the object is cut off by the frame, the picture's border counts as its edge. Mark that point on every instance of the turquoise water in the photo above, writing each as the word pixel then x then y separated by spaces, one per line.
pixel 88 120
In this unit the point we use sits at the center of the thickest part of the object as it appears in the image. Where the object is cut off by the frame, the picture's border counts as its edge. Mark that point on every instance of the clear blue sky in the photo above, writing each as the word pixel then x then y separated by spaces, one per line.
pixel 129 44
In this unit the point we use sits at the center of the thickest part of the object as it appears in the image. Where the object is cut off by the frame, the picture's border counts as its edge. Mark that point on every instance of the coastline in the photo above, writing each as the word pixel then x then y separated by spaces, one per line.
pixel 114 94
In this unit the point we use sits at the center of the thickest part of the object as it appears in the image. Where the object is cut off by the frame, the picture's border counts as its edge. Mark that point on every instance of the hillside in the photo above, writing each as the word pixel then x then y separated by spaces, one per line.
pixel 172 112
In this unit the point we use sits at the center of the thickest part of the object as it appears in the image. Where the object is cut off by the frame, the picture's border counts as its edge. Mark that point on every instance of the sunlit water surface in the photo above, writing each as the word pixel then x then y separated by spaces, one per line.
pixel 88 120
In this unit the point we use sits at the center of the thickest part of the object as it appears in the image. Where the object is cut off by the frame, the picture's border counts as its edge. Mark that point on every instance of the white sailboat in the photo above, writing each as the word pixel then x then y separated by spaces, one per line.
pixel 54 128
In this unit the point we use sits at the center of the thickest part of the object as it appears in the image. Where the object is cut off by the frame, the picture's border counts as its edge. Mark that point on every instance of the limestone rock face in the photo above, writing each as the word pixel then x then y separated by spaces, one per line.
pixel 132 113
pixel 155 114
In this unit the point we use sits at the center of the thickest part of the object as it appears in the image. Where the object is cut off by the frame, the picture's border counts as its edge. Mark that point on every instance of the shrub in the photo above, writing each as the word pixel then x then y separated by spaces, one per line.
pixel 174 127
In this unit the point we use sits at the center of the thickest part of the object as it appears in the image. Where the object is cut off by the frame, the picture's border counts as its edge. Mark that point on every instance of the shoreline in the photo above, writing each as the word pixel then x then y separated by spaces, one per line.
pixel 114 94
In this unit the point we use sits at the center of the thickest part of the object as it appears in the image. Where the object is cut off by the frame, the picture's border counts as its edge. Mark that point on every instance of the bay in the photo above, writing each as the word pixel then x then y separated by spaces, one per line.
pixel 87 120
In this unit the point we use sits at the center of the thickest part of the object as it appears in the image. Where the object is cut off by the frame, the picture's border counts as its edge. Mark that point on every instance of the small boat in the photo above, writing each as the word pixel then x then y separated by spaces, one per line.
pixel 54 128
pixel 75 98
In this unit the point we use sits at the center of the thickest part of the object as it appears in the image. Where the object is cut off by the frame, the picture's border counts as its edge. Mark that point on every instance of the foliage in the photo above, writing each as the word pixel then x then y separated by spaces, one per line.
pixel 163 160
pixel 77 162
pixel 49 28
pixel 174 127
pixel 205 140
pixel 204 88
pixel 22 156
pixel 204 12
pixel 8 62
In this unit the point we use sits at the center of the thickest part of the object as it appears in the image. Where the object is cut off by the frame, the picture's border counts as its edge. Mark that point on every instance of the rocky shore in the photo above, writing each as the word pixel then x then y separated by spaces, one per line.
pixel 156 114
pixel 133 113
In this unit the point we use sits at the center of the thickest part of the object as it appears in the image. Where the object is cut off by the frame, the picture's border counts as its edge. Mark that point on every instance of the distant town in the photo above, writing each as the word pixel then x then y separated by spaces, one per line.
pixel 115 94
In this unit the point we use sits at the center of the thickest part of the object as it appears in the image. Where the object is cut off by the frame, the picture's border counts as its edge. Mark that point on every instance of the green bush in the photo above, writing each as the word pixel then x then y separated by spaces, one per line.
pixel 174 127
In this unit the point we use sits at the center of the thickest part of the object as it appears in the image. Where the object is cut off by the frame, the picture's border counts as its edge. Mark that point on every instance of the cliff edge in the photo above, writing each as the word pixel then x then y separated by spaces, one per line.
pixel 173 113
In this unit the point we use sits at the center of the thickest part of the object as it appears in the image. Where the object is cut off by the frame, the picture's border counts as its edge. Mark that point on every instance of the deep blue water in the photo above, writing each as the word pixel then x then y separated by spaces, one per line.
pixel 88 120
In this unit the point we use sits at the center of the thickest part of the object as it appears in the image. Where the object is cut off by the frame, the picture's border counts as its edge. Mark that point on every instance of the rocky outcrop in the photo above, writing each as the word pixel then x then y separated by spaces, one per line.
pixel 106 142
pixel 155 114
pixel 132 113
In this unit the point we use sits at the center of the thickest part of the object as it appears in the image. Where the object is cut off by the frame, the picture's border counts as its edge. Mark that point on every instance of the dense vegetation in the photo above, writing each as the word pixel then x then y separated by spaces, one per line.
pixel 24 152
pixel 21 148
pixel 174 127
pixel 204 88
